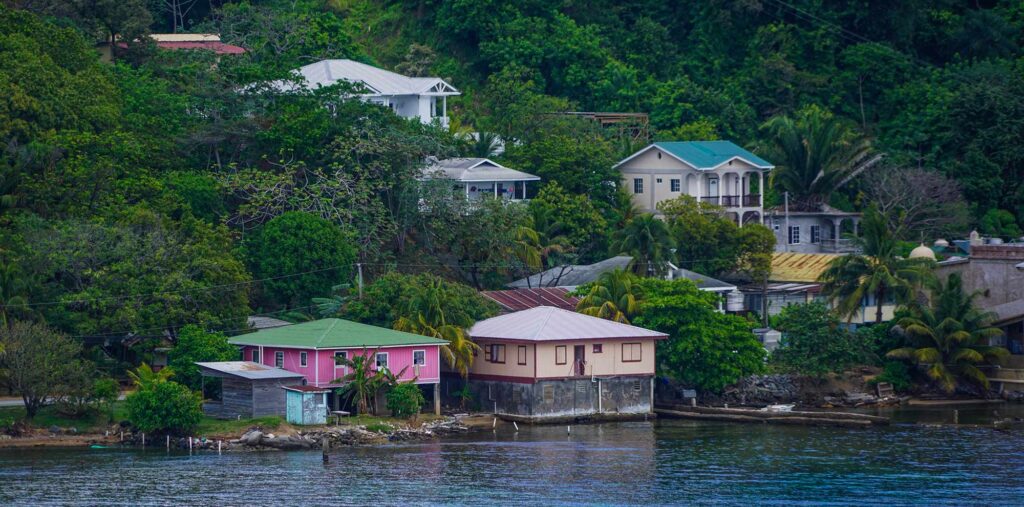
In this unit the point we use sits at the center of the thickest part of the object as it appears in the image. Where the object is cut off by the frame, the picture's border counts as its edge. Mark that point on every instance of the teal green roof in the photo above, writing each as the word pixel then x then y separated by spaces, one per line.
pixel 710 154
pixel 332 334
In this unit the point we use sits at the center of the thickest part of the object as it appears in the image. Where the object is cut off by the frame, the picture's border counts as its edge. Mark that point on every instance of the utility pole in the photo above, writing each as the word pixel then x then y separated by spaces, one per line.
pixel 786 236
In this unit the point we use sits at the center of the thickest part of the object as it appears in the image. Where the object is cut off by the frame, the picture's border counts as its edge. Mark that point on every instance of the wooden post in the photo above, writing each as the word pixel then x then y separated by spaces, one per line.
pixel 189 444
pixel 437 398
pixel 143 440
pixel 326 447
pixel 568 430
pixel 168 442
pixel 218 446
pixel 516 425
pixel 956 417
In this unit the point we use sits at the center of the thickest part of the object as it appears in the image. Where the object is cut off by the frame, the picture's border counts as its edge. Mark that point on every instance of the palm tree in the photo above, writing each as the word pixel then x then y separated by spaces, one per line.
pixel 332 306
pixel 647 239
pixel 362 381
pixel 552 243
pixel 624 208
pixel 145 378
pixel 815 155
pixel 878 271
pixel 950 336
pixel 424 314
pixel 614 296
pixel 485 144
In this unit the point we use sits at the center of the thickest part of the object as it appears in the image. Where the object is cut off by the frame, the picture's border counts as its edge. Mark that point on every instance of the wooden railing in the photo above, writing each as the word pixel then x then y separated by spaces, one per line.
pixel 731 201
pixel 752 200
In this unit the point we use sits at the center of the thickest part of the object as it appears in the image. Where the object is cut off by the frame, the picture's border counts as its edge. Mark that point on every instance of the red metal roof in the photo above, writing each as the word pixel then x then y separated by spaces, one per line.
pixel 217 47
pixel 524 299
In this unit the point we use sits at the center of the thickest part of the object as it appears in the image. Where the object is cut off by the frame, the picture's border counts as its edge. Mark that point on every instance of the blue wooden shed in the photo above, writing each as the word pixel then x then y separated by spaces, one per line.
pixel 306 404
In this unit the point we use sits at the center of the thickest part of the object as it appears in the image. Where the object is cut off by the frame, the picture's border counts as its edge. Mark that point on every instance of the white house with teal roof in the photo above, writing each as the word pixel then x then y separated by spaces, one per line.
pixel 715 172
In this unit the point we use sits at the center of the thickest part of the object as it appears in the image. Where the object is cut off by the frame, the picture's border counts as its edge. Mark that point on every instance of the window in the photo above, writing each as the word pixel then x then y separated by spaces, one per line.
pixel 419 357
pixel 674 185
pixel 340 355
pixel 522 355
pixel 487 352
pixel 255 355
pixel 382 360
pixel 815 234
pixel 497 353
pixel 631 352
pixel 794 234
pixel 598 348
pixel 305 382
pixel 659 180
pixel 279 359
pixel 638 185
pixel 560 354
pixel 302 359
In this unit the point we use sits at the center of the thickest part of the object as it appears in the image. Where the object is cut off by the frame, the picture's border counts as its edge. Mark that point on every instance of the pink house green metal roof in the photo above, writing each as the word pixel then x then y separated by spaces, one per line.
pixel 332 334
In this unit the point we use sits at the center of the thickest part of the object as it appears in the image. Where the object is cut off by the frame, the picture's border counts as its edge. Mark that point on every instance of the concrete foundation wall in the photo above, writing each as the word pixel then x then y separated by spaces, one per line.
pixel 557 398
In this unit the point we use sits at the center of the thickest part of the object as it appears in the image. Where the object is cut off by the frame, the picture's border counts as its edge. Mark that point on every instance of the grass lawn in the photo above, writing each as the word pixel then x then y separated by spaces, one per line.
pixel 48 416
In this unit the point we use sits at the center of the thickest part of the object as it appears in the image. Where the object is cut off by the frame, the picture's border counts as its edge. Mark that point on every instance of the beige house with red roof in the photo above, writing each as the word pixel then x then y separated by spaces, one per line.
pixel 552 363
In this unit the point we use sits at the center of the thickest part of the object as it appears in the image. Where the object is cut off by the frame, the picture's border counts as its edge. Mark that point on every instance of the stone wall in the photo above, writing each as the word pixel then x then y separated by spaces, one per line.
pixel 557 398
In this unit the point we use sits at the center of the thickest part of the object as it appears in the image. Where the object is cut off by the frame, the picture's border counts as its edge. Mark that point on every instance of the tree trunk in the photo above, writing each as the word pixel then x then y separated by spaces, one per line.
pixel 880 296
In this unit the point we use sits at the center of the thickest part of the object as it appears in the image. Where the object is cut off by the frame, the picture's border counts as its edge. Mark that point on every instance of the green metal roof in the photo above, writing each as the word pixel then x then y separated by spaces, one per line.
pixel 332 334
pixel 710 154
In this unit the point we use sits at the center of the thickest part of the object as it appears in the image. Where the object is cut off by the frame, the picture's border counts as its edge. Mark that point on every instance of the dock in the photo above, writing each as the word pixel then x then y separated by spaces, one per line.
pixel 745 415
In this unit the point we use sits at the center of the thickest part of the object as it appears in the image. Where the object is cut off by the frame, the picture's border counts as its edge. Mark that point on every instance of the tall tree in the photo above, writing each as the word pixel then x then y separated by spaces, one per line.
pixel 647 239
pixel 878 271
pixel 38 362
pixel 424 313
pixel 614 296
pixel 815 154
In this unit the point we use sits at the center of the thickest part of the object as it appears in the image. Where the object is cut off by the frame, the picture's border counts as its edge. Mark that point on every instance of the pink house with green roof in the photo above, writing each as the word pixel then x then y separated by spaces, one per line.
pixel 310 349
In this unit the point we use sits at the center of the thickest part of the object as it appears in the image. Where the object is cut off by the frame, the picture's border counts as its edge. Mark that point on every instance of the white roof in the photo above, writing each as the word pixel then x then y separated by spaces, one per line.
pixel 547 323
pixel 377 81
pixel 185 37
pixel 248 370
pixel 468 170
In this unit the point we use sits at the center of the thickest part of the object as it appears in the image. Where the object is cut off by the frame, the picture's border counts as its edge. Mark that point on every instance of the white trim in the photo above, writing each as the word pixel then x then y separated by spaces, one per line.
pixel 387 360
pixel 335 347
pixel 737 157
pixel 424 351
pixel 304 359
pixel 663 150
pixel 279 353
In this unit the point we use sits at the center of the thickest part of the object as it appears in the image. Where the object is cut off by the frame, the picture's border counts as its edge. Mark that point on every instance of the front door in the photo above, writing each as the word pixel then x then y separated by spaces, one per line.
pixel 713 187
pixel 579 359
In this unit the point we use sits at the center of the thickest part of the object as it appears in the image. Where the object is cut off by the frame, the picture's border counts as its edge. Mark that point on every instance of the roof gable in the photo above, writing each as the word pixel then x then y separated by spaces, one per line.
pixel 704 155
pixel 547 323
pixel 475 170
pixel 376 80
pixel 331 334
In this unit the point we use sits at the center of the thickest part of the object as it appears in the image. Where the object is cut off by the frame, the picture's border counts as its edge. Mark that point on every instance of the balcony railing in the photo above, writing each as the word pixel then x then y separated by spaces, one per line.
pixel 710 199
pixel 839 246
pixel 752 200
pixel 731 201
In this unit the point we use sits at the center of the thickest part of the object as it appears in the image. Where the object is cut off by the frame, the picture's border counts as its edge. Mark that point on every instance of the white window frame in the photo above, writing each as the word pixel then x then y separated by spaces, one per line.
pixel 815 234
pixel 255 355
pixel 279 359
pixel 638 185
pixel 376 360
pixel 421 351
pixel 789 238
pixel 303 359
pixel 675 185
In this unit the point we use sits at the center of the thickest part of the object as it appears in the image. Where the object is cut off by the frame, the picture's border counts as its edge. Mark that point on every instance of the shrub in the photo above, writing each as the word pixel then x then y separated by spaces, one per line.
pixel 896 373
pixel 165 407
pixel 405 400
pixel 104 394
pixel 813 341
pixel 194 345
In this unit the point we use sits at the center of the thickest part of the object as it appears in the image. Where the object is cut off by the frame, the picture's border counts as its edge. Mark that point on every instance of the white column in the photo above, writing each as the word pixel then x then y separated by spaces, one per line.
pixel 444 106
pixel 467 190
pixel 760 190
pixel 495 183
pixel 700 182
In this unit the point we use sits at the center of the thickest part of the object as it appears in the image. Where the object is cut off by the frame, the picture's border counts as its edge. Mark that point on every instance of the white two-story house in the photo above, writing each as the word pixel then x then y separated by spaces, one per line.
pixel 425 98
pixel 480 177
pixel 716 172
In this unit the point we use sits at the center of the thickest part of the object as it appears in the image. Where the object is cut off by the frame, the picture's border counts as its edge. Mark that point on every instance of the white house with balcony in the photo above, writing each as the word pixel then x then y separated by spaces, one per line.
pixel 480 177
pixel 425 98
pixel 716 172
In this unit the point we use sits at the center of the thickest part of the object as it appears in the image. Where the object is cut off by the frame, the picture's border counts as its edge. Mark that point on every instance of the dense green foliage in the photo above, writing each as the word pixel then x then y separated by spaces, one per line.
pixel 297 242
pixel 705 348
pixel 405 400
pixel 949 337
pixel 40 364
pixel 194 345
pixel 164 407
pixel 814 342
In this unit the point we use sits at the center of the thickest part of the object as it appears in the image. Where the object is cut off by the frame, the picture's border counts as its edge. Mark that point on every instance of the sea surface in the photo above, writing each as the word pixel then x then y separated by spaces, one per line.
pixel 913 462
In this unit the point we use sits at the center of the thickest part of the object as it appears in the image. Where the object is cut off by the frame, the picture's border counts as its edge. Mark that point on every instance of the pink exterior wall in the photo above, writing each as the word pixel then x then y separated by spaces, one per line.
pixel 399 358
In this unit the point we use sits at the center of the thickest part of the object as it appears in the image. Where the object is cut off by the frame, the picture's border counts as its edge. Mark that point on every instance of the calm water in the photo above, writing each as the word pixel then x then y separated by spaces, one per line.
pixel 669 462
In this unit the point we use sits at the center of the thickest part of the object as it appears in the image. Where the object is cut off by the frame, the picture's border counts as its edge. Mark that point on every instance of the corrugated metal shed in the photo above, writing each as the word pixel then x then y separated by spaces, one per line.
pixel 547 323
pixel 799 267
pixel 331 334
pixel 245 369
pixel 524 299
